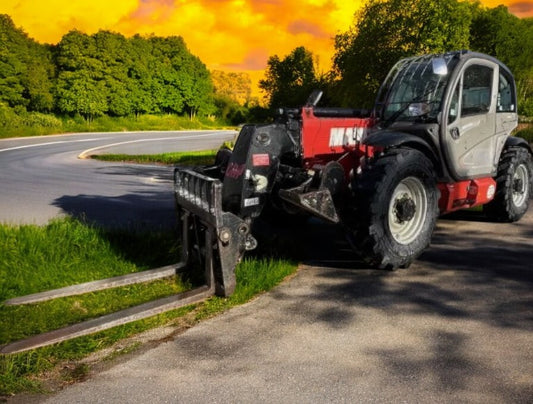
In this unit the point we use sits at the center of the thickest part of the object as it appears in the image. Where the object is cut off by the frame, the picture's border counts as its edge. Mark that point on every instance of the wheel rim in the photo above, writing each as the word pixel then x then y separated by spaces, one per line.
pixel 520 185
pixel 407 210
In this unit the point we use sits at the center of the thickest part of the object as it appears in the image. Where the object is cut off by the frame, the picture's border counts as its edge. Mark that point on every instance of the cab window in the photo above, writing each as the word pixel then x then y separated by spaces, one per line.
pixel 477 85
pixel 506 94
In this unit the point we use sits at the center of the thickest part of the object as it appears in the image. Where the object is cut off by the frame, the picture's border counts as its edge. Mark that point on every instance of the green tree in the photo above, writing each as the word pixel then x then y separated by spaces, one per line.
pixel 141 76
pixel 81 86
pixel 497 32
pixel 39 81
pixel 79 94
pixel 114 51
pixel 26 69
pixel 165 84
pixel 232 85
pixel 385 31
pixel 181 82
pixel 107 73
pixel 289 81
pixel 197 87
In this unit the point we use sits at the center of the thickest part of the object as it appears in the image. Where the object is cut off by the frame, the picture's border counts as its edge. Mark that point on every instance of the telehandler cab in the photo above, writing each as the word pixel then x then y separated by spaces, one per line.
pixel 437 140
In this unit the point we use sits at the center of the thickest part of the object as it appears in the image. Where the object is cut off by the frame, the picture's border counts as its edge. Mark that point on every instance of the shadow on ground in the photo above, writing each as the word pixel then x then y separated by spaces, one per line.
pixel 139 210
pixel 474 269
pixel 454 327
pixel 149 202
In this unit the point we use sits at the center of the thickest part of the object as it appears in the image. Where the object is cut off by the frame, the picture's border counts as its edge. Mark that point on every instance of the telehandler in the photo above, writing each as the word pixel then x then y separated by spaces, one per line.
pixel 437 140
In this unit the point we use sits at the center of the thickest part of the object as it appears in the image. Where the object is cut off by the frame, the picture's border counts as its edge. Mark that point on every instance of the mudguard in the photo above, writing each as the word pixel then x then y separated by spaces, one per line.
pixel 514 141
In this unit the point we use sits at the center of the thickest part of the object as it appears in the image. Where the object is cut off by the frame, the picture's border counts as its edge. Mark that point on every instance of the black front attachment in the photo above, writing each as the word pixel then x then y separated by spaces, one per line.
pixel 211 238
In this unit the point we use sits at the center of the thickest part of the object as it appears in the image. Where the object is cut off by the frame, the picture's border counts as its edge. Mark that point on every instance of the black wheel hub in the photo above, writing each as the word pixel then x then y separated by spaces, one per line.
pixel 404 208
pixel 518 185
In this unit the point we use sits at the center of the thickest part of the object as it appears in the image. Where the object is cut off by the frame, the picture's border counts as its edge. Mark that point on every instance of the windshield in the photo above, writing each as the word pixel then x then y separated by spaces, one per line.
pixel 414 89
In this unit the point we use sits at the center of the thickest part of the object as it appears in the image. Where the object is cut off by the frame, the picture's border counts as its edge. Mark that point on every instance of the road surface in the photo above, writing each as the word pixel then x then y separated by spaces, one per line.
pixel 42 177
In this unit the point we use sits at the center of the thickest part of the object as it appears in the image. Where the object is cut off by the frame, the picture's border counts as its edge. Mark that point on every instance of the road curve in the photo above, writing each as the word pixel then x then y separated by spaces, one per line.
pixel 43 177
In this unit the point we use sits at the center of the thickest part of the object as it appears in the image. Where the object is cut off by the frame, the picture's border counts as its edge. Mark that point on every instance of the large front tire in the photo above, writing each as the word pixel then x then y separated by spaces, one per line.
pixel 396 201
pixel 513 186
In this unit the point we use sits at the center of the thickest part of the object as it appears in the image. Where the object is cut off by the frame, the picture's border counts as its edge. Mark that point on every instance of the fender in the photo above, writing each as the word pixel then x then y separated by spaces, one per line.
pixel 392 139
pixel 514 141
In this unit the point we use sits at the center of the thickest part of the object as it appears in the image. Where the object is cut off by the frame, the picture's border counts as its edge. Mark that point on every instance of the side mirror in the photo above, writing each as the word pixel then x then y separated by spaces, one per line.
pixel 439 66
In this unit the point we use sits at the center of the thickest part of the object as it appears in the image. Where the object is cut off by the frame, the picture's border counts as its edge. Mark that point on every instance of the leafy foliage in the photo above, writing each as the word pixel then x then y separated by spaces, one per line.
pixel 108 74
pixel 26 69
pixel 499 33
pixel 289 81
pixel 386 31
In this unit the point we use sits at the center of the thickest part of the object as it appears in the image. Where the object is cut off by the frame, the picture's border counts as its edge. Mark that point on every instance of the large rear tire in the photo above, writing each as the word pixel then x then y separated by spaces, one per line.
pixel 513 186
pixel 396 201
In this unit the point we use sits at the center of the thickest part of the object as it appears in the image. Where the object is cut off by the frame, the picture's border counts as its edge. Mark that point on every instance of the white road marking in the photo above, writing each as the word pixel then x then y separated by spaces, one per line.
pixel 50 143
pixel 85 153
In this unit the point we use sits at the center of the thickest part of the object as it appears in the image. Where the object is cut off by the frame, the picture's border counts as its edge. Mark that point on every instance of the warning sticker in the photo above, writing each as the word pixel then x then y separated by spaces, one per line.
pixel 251 202
pixel 259 160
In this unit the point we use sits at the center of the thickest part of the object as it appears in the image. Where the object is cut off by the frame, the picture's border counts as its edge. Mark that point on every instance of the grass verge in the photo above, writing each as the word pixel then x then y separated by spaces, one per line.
pixel 37 124
pixel 66 252
pixel 177 158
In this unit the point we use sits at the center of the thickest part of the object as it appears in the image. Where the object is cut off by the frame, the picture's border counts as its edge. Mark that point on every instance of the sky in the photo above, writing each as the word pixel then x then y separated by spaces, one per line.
pixel 230 35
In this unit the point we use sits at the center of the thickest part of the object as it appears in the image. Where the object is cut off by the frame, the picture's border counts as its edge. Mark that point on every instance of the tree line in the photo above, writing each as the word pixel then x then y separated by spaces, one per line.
pixel 109 74
pixel 385 31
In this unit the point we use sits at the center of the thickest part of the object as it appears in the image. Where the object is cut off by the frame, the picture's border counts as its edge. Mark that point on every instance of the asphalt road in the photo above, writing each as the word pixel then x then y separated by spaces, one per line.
pixel 42 177
pixel 457 326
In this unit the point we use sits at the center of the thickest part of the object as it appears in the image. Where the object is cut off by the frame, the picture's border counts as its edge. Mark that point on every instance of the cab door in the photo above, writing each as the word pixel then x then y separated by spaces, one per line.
pixel 469 139
pixel 506 116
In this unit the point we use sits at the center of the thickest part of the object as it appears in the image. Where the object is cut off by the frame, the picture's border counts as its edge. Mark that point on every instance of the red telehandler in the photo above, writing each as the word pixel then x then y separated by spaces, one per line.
pixel 437 140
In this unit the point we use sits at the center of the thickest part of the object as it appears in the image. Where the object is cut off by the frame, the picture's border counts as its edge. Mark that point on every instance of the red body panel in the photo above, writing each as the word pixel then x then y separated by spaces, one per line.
pixel 331 136
pixel 466 194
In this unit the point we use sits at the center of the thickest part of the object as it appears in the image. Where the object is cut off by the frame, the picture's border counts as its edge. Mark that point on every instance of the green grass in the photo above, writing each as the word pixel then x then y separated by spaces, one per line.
pixel 37 124
pixel 178 158
pixel 67 252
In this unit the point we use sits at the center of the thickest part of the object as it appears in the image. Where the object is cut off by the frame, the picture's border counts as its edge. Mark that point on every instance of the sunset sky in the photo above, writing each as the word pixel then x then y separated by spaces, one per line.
pixel 231 35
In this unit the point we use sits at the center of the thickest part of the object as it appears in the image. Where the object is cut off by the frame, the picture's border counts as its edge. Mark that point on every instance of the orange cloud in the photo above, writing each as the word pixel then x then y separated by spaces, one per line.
pixel 47 21
pixel 522 9
pixel 152 11
pixel 255 59
pixel 308 27
pixel 227 33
